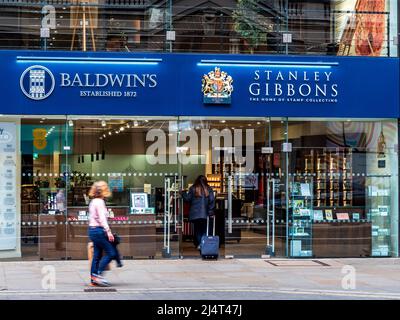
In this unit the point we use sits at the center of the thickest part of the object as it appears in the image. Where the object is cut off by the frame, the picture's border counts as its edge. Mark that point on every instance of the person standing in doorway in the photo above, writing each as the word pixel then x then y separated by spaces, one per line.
pixel 202 204
pixel 100 233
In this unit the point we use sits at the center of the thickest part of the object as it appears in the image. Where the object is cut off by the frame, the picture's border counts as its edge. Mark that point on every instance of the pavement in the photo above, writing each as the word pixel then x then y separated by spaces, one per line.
pixel 195 279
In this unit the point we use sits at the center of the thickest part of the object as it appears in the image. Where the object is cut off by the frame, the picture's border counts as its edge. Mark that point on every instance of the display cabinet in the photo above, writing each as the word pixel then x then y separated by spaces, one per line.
pixel 347 181
pixel 214 180
pixel 300 216
pixel 142 201
pixel 52 200
pixel 379 212
pixel 321 190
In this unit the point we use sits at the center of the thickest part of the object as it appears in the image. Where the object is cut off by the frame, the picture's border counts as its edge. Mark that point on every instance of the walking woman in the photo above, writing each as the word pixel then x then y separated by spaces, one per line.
pixel 100 233
pixel 202 204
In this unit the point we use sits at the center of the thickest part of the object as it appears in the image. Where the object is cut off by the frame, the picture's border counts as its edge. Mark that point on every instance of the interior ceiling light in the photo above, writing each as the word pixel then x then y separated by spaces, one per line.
pixel 71 123
pixel 103 123
pixel 121 129
pixel 135 123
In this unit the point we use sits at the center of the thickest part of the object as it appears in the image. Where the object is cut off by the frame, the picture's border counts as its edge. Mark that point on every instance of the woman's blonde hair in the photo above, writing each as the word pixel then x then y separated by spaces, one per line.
pixel 99 189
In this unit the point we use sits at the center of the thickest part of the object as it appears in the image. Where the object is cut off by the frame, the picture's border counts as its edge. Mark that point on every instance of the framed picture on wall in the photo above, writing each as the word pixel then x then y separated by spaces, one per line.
pixel 342 216
pixel 318 215
pixel 139 202
pixel 328 214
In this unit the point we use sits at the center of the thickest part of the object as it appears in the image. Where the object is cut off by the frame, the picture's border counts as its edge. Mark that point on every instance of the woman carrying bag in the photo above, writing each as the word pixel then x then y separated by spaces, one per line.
pixel 100 234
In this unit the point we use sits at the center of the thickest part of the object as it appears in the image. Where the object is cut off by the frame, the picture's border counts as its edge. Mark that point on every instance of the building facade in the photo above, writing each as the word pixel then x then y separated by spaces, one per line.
pixel 289 108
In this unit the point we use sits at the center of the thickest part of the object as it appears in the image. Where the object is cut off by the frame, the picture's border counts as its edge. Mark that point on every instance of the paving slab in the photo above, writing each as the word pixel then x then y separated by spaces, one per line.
pixel 198 279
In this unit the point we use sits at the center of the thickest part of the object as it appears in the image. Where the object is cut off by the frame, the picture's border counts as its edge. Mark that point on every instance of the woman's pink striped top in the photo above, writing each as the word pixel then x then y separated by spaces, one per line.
pixel 98 214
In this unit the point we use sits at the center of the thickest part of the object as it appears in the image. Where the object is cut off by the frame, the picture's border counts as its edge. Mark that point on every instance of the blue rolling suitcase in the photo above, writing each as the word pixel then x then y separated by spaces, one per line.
pixel 209 247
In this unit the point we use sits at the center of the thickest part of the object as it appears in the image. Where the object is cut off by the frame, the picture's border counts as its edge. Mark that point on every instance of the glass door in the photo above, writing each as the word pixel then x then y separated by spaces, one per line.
pixel 137 157
pixel 239 157
pixel 43 188
pixel 255 203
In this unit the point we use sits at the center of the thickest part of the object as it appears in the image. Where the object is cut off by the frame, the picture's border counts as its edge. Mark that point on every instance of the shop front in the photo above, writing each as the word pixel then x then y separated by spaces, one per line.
pixel 302 152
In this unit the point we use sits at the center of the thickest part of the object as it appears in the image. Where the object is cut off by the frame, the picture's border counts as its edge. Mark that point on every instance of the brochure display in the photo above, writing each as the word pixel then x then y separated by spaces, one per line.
pixel 142 202
pixel 301 217
pixel 52 200
pixel 378 207
pixel 8 195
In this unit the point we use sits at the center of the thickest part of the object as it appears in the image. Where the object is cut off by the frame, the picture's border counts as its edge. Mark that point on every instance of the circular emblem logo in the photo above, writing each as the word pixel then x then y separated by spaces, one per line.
pixel 37 82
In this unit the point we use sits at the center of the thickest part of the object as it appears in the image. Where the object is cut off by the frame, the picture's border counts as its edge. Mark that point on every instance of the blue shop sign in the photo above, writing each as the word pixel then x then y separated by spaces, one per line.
pixel 147 84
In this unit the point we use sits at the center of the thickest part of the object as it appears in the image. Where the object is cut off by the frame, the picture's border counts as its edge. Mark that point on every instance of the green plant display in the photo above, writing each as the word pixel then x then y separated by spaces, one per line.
pixel 246 18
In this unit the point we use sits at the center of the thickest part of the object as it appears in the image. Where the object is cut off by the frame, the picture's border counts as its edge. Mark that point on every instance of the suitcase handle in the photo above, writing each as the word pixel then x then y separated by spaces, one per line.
pixel 208 223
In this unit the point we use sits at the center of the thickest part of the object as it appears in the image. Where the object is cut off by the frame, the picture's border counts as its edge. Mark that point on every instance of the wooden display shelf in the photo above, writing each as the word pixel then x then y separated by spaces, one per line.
pixel 70 240
pixel 342 239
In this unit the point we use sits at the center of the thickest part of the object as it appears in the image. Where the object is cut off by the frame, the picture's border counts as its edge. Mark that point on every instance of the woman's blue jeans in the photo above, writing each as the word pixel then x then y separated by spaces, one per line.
pixel 101 244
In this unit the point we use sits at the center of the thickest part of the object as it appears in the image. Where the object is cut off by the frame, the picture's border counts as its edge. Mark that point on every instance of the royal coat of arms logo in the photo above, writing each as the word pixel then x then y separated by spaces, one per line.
pixel 217 87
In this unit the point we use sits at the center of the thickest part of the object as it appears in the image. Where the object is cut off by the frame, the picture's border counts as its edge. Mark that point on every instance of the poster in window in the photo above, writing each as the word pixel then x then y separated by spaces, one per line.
pixel 8 178
pixel 116 184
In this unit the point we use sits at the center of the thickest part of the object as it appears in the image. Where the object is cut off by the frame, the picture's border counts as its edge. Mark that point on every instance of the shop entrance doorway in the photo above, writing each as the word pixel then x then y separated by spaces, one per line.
pixel 245 166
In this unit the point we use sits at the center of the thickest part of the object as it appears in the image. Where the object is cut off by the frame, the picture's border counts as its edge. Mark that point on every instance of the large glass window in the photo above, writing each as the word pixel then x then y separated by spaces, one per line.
pixel 284 187
pixel 331 27
pixel 349 172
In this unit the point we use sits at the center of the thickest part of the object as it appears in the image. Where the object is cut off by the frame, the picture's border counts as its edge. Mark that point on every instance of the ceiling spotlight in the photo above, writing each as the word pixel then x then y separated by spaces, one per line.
pixel 70 123
pixel 104 135
pixel 110 133
pixel 103 123
pixel 223 121
pixel 135 123
pixel 121 129
pixel 128 125
pixel 146 120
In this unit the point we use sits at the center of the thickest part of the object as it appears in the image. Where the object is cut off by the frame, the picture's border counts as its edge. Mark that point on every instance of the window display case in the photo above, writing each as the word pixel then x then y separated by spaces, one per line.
pixel 52 200
pixel 142 201
pixel 379 211
pixel 301 214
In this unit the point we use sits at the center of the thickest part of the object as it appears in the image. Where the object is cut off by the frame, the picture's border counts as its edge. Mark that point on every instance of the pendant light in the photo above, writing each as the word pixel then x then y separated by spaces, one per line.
pixel 103 153
pixel 98 143
pixel 78 144
pixel 83 154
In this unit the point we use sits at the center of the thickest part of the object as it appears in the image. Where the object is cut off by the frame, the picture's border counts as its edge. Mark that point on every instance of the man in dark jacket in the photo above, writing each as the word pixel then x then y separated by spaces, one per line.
pixel 202 204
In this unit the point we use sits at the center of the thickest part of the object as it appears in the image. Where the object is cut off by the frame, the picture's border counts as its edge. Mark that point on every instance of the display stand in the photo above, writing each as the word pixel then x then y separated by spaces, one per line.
pixel 301 215
pixel 172 204
pixel 379 211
